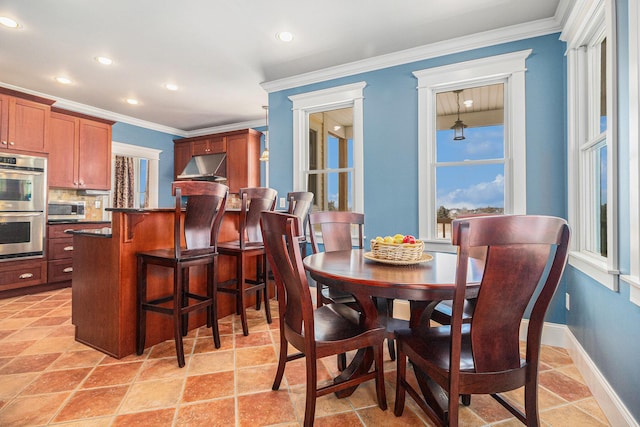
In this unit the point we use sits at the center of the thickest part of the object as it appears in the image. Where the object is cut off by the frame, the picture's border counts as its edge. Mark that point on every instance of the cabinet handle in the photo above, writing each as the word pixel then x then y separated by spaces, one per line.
pixel 4 142
pixel 26 276
pixel 68 248
pixel 68 229
pixel 12 143
pixel 68 270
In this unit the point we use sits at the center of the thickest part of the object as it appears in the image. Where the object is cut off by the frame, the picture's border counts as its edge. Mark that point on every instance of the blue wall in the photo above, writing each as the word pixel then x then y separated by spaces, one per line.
pixel 606 323
pixel 134 135
pixel 391 138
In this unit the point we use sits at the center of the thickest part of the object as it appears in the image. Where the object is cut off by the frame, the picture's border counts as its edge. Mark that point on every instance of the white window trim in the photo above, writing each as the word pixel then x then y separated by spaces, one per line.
pixel 585 22
pixel 151 154
pixel 322 100
pixel 509 68
pixel 633 278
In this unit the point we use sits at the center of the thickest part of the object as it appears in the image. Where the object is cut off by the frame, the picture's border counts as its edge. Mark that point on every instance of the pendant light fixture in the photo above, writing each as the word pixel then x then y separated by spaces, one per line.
pixel 458 126
pixel 264 157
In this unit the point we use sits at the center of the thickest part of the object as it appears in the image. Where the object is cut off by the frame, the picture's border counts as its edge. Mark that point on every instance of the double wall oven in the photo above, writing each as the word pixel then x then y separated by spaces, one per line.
pixel 23 186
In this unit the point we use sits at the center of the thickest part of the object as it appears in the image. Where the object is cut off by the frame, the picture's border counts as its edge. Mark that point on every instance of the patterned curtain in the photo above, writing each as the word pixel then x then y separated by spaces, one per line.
pixel 123 191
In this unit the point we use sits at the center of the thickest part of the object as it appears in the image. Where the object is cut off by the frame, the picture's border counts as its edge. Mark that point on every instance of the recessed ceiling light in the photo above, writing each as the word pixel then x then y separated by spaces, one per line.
pixel 468 103
pixel 63 80
pixel 336 128
pixel 171 86
pixel 284 36
pixel 132 101
pixel 8 22
pixel 104 60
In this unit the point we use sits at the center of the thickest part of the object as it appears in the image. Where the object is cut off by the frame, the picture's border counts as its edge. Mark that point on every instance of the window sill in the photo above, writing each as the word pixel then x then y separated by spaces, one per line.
pixel 595 268
pixel 634 288
pixel 439 246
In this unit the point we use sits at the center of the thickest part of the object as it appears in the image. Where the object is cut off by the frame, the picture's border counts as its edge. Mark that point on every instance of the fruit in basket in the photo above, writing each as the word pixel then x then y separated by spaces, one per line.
pixel 388 239
pixel 379 239
pixel 398 238
pixel 409 239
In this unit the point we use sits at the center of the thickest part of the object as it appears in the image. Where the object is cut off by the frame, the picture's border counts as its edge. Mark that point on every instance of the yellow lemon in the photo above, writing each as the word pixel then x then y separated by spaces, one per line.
pixel 379 239
pixel 388 239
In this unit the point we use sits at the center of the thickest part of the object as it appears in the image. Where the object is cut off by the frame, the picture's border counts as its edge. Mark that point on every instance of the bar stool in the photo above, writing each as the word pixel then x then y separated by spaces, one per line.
pixel 253 201
pixel 299 205
pixel 203 216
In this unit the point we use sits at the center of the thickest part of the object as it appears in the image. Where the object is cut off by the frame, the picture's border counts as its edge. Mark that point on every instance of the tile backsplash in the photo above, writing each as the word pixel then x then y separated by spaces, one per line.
pixel 94 210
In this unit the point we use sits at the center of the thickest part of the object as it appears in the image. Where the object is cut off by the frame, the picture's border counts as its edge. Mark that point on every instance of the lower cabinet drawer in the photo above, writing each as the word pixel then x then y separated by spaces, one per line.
pixel 60 270
pixel 22 274
pixel 60 248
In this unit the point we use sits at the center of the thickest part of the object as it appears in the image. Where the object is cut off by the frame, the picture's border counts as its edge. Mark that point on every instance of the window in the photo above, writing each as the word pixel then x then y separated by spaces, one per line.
pixel 328 146
pixel 470 167
pixel 633 278
pixel 145 167
pixel 330 164
pixel 592 143
pixel 481 173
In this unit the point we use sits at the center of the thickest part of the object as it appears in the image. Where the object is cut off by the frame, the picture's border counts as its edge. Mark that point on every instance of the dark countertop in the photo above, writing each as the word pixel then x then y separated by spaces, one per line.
pixel 98 232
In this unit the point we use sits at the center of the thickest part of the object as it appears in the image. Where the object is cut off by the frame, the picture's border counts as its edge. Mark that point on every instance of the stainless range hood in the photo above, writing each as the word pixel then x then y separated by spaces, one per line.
pixel 209 167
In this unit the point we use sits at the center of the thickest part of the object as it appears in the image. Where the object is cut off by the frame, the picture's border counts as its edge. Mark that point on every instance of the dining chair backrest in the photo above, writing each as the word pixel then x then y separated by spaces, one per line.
pixel 335 228
pixel 300 203
pixel 203 214
pixel 280 233
pixel 523 252
pixel 253 201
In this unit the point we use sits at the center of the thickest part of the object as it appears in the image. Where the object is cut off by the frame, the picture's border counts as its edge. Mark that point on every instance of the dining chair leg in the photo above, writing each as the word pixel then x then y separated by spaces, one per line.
pixel 401 372
pixel 380 391
pixel 177 316
pixel 240 295
pixel 311 395
pixel 141 315
pixel 265 276
pixel 212 312
pixel 282 362
pixel 185 298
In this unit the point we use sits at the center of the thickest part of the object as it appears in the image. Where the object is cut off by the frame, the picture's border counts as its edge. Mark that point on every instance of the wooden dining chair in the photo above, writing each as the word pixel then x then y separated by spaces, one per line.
pixel 483 357
pixel 316 333
pixel 300 203
pixel 336 227
pixel 253 201
pixel 202 218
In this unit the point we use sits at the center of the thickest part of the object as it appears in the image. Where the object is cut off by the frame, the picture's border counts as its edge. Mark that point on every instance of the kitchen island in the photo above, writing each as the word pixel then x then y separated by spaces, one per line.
pixel 104 279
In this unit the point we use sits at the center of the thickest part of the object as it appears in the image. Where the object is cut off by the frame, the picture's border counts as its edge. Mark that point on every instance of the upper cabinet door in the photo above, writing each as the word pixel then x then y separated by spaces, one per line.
pixel 27 125
pixel 63 145
pixel 94 155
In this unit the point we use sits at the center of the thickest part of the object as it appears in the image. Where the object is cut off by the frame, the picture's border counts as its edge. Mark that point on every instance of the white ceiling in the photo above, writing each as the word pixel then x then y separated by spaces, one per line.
pixel 220 51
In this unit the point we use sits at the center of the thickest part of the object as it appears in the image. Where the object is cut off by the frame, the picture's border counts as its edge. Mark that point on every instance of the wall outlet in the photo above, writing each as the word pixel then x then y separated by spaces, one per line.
pixel 97 204
pixel 567 301
pixel 283 202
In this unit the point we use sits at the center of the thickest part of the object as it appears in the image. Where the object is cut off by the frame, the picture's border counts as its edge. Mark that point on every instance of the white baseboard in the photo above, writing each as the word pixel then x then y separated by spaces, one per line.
pixel 558 335
pixel 615 411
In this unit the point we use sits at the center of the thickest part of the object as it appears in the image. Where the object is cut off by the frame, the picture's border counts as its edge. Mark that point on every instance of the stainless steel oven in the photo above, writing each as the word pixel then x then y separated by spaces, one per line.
pixel 21 234
pixel 23 182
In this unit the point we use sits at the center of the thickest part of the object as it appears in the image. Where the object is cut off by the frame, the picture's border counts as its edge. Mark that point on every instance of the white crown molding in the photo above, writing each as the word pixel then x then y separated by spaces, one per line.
pixel 434 50
pixel 98 112
pixel 251 124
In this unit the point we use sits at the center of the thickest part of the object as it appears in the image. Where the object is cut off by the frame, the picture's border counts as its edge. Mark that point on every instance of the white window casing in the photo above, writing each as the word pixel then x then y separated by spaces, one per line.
pixel 590 22
pixel 151 154
pixel 507 68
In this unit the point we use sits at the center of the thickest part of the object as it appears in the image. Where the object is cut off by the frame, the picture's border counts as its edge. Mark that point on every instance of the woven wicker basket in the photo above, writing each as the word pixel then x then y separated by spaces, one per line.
pixel 397 251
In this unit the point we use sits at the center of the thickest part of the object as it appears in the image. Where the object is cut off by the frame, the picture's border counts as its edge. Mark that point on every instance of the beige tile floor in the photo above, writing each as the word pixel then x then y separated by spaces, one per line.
pixel 46 378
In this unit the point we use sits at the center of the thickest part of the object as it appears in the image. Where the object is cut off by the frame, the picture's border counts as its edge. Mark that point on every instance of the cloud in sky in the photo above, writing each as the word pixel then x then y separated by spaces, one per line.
pixel 478 195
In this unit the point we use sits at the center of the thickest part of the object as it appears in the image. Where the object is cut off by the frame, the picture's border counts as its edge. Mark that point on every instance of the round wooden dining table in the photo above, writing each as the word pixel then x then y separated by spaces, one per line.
pixel 423 284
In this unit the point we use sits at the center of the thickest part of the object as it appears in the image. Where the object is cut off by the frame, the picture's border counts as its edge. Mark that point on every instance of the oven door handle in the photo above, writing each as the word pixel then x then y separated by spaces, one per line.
pixel 20 214
pixel 23 171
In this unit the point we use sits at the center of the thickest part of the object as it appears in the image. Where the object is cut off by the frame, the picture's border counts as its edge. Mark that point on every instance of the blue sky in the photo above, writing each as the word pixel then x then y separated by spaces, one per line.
pixel 470 186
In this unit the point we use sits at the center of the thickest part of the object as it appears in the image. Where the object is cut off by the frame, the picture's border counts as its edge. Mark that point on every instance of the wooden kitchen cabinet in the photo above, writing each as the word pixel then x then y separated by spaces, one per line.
pixel 212 145
pixel 243 155
pixel 60 249
pixel 182 153
pixel 80 151
pixel 22 274
pixel 24 122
